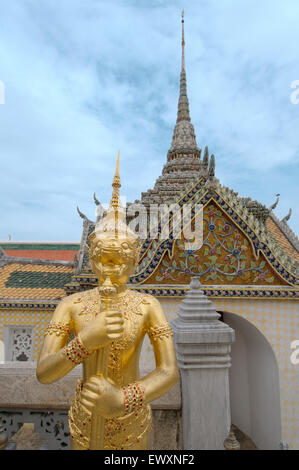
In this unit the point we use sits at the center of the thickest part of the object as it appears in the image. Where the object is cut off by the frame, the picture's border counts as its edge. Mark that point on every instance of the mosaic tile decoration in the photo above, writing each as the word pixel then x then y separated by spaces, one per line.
pixel 39 320
pixel 152 251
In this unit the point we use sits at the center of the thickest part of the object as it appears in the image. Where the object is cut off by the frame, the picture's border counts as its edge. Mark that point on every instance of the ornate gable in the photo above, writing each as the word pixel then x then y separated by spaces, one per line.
pixel 226 257
pixel 237 248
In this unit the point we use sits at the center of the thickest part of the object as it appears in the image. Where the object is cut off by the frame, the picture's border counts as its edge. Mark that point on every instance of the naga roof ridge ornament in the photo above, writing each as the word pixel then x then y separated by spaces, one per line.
pixel 99 211
pixel 287 217
pixel 274 205
pixel 83 216
pixel 97 202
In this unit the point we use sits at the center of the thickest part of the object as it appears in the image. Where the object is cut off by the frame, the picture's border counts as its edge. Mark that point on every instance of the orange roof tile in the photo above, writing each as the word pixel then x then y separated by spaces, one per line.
pixel 19 281
pixel 281 239
pixel 60 255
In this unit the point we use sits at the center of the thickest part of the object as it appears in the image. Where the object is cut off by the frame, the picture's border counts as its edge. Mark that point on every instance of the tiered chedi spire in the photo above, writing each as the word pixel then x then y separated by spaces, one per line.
pixel 183 158
pixel 183 139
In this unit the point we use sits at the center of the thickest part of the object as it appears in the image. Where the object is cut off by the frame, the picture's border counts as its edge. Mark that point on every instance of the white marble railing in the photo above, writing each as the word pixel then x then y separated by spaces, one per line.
pixel 50 424
pixel 19 388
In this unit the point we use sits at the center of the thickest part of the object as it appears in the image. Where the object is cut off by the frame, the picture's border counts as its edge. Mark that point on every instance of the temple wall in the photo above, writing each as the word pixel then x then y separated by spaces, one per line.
pixel 37 319
pixel 278 321
pixel 254 384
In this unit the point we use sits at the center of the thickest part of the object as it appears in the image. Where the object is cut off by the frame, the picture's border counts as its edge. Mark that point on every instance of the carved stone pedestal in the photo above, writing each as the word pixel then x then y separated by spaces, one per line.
pixel 203 346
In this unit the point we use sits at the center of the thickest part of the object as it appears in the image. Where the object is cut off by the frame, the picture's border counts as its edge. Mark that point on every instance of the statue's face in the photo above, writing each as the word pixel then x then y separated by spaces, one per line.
pixel 114 258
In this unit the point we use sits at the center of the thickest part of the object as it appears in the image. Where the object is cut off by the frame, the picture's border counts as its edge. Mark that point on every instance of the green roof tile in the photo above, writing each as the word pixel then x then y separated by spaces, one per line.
pixel 42 280
pixel 41 246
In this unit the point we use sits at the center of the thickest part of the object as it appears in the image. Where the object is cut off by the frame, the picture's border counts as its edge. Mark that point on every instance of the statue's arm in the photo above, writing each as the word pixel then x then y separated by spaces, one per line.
pixel 166 373
pixel 53 364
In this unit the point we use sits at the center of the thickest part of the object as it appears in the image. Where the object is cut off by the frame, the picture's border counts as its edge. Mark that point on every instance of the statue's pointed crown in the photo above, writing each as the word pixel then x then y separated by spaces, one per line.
pixel 115 202
pixel 114 221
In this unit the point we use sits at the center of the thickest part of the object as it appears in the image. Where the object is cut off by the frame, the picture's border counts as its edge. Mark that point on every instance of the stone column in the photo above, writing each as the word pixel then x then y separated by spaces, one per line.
pixel 203 346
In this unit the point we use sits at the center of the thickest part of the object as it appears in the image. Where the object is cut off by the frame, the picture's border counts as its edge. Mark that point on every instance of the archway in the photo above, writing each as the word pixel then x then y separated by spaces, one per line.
pixel 254 384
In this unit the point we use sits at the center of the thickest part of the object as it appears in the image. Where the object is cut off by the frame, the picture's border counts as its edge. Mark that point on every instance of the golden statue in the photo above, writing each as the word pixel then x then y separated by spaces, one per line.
pixel 111 408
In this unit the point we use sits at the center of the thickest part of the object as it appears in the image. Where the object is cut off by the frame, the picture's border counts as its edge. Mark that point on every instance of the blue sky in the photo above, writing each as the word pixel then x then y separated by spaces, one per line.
pixel 84 78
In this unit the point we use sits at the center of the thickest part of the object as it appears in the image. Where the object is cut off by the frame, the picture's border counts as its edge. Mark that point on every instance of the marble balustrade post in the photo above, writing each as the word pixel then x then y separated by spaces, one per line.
pixel 203 346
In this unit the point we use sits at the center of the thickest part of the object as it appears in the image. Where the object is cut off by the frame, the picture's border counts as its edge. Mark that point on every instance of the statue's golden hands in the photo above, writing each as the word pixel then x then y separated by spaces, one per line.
pixel 106 327
pixel 101 396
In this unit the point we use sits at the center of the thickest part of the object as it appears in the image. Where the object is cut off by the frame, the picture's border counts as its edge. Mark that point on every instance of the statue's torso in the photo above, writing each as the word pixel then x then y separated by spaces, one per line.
pixel 132 431
pixel 123 354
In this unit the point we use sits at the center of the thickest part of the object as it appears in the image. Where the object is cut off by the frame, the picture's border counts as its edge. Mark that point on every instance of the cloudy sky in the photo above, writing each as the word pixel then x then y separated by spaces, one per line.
pixel 84 78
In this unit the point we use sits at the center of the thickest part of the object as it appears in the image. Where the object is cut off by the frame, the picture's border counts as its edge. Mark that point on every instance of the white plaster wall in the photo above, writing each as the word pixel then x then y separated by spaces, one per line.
pixel 239 384
pixel 254 384
pixel 2 356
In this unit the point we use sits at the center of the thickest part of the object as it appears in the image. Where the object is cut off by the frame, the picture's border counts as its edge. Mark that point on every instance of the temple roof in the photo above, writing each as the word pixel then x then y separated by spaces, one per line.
pixel 187 178
pixel 33 281
pixel 284 236
pixel 185 169
pixel 249 218
pixel 64 251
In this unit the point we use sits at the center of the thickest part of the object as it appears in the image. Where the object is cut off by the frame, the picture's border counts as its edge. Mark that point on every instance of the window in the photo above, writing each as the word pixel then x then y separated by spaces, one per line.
pixel 18 342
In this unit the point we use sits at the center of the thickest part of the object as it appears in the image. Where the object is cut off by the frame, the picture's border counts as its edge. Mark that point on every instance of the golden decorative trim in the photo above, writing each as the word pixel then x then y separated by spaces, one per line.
pixel 75 351
pixel 58 329
pixel 121 433
pixel 160 332
pixel 125 432
pixel 79 420
pixel 134 397
pixel 129 305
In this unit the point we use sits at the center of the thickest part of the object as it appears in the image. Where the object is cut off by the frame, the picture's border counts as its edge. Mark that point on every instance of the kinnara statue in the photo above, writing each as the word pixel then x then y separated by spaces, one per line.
pixel 111 407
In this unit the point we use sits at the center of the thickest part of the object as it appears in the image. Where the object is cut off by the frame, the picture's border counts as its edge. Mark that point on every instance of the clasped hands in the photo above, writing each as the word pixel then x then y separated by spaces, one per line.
pixel 101 396
pixel 107 326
